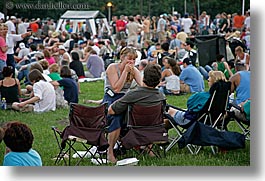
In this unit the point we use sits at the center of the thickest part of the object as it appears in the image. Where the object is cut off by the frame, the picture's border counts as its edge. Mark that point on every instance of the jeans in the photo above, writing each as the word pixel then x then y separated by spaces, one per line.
pixel 10 61
pixel 204 71
pixel 2 65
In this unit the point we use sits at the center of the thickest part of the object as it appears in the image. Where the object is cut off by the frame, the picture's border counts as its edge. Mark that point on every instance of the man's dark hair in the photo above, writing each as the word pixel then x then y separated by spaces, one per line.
pixel 33 47
pixel 35 75
pixel 65 72
pixel 165 46
pixel 219 58
pixel 7 71
pixel 152 75
pixel 37 66
pixel 75 56
pixel 18 136
pixel 188 42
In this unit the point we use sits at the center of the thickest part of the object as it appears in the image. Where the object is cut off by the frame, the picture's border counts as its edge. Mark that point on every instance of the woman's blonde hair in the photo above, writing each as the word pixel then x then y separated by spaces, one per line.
pixel 128 51
pixel 54 68
pixel 238 49
pixel 217 75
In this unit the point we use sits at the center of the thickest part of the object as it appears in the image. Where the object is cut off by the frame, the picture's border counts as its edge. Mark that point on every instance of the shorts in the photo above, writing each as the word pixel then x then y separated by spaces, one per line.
pixel 120 35
pixel 114 121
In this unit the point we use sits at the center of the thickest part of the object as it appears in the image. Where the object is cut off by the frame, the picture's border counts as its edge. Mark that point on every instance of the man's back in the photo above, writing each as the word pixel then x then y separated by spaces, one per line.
pixel 243 89
pixel 192 77
pixel 95 65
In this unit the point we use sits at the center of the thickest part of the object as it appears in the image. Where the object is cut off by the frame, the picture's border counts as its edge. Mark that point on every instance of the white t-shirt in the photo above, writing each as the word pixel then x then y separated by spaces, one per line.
pixel 186 23
pixel 11 26
pixel 22 28
pixel 11 40
pixel 45 91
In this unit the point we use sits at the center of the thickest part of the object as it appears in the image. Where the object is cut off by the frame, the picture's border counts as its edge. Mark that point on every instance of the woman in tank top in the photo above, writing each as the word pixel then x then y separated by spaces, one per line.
pixel 9 86
pixel 170 84
pixel 242 57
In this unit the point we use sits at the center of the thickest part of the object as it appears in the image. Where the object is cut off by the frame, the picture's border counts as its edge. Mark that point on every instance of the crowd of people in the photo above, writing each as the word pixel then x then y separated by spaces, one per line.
pixel 152 55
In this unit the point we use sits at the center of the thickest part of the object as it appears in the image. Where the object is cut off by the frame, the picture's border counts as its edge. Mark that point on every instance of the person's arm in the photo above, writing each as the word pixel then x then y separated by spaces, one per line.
pixel 19 87
pixel 29 101
pixel 234 81
pixel 24 35
pixel 4 48
pixel 116 82
pixel 247 61
pixel 228 69
pixel 138 77
pixel 110 111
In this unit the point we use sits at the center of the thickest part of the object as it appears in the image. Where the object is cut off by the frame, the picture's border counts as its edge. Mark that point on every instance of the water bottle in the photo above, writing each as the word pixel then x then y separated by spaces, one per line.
pixel 4 103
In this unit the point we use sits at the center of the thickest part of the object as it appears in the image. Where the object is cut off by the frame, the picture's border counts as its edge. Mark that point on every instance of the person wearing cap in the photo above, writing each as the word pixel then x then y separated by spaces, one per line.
pixel 64 55
pixel 53 39
pixel 174 42
pixel 22 52
pixel 191 79
pixel 11 25
pixel 161 28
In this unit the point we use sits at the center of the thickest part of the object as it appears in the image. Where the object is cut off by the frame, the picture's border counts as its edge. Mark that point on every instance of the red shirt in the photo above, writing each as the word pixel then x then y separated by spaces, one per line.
pixel 239 21
pixel 34 27
pixel 120 25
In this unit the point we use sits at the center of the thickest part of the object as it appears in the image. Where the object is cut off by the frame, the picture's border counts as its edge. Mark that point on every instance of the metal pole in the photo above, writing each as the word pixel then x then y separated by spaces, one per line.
pixel 185 6
pixel 109 13
pixel 199 13
pixel 243 7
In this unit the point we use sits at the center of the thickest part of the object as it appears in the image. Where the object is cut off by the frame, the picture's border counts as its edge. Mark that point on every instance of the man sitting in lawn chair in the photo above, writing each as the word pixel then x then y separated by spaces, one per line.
pixel 147 94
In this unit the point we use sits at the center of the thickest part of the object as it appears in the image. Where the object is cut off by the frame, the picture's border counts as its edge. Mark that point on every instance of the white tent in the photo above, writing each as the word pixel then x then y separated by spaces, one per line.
pixel 80 16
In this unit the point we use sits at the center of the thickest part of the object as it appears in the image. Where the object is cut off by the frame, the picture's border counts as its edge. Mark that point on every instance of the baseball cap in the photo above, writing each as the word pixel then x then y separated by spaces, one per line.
pixel 22 45
pixel 187 60
pixel 13 17
pixel 61 47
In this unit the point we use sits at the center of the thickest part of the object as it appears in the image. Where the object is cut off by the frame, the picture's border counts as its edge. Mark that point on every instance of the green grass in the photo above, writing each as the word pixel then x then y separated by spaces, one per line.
pixel 45 143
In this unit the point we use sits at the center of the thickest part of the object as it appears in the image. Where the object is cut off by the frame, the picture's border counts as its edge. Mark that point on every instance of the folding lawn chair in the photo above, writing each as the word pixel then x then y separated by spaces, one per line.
pixel 212 114
pixel 177 128
pixel 146 128
pixel 86 130
pixel 244 125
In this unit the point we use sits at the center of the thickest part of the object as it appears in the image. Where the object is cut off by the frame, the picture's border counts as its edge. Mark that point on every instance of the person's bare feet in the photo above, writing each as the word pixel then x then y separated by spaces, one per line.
pixel 112 159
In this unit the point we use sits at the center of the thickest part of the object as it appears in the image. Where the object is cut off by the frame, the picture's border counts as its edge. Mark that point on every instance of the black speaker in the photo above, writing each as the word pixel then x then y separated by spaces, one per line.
pixel 208 47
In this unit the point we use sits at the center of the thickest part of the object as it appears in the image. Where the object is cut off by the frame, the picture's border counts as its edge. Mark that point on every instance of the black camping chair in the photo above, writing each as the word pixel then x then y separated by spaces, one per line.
pixel 212 114
pixel 87 128
pixel 177 128
pixel 243 124
pixel 145 128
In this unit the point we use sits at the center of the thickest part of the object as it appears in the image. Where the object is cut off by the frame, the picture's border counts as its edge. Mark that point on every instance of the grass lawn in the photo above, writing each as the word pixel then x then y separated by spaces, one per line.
pixel 45 143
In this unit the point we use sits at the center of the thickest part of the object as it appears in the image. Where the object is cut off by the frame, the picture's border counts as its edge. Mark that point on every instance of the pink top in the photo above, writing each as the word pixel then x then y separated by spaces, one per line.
pixel 3 55
pixel 51 60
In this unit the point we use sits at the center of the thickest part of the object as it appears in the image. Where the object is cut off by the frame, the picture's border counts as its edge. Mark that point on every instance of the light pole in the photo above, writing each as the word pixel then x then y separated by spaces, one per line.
pixel 109 4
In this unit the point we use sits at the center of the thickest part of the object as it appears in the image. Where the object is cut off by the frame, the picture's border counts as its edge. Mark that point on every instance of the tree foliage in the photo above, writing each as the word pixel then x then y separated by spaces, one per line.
pixel 130 7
